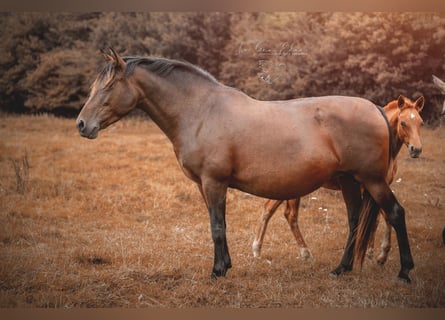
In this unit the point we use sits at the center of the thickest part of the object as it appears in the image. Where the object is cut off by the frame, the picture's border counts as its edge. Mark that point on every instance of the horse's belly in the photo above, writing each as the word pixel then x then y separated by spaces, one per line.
pixel 284 182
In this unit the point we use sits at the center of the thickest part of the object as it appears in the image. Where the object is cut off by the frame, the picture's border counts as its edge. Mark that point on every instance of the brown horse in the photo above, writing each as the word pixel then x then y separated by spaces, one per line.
pixel 441 85
pixel 404 118
pixel 224 139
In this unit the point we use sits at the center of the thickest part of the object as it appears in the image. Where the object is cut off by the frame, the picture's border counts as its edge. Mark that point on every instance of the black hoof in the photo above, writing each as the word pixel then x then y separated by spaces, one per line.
pixel 215 274
pixel 404 277
pixel 341 269
pixel 220 273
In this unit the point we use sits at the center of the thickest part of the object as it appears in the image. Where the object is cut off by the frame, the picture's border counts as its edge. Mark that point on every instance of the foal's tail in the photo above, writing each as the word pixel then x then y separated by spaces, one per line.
pixel 366 226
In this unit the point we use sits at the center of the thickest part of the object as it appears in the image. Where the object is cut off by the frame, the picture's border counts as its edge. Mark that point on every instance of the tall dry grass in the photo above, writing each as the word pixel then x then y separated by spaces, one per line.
pixel 113 222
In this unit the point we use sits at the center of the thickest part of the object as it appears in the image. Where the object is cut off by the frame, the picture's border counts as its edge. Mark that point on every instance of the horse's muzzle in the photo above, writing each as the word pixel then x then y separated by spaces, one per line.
pixel 414 152
pixel 88 131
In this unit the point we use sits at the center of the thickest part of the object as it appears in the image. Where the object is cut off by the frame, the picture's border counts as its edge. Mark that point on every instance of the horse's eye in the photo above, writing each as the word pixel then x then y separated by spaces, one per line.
pixel 403 124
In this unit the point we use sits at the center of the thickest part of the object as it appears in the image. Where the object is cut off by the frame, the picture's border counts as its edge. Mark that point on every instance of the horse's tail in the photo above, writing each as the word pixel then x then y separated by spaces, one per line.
pixel 366 226
pixel 370 209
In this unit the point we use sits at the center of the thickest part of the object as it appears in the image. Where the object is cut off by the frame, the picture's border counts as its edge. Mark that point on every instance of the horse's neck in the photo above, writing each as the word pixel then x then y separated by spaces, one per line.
pixel 174 106
pixel 392 113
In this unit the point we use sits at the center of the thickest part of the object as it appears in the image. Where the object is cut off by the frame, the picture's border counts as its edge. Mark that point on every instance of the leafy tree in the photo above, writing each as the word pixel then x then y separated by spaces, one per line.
pixel 26 38
pixel 57 85
pixel 48 60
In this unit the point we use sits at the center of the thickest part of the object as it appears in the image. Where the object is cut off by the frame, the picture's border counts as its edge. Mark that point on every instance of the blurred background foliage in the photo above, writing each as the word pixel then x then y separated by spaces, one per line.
pixel 49 60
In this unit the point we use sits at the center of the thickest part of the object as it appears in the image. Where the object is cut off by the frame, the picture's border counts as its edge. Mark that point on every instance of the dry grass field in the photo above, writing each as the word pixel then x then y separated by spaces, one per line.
pixel 113 222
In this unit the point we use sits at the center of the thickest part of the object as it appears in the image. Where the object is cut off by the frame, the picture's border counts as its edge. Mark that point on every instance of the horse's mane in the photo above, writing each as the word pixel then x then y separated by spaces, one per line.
pixel 164 67
pixel 160 66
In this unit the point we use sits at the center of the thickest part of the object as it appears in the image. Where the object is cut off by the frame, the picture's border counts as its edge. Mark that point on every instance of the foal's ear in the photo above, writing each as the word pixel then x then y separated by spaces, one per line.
pixel 420 102
pixel 401 101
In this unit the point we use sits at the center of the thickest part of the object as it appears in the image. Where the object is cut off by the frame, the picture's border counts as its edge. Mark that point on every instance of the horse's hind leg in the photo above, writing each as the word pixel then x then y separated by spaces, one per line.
pixel 269 209
pixel 291 214
pixel 395 214
pixel 385 247
pixel 353 199
pixel 370 250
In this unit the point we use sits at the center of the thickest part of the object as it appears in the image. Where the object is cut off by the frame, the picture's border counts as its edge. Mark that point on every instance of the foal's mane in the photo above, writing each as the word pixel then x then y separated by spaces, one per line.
pixel 159 66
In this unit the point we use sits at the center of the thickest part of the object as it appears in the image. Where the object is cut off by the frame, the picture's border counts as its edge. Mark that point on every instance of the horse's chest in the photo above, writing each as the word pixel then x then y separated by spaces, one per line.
pixel 188 170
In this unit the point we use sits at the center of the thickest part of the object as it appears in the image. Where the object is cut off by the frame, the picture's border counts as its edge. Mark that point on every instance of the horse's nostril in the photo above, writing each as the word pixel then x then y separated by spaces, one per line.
pixel 81 125
pixel 415 152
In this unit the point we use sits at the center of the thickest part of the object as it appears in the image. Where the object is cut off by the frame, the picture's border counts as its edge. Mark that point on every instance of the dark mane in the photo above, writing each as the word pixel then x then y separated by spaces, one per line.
pixel 163 67
pixel 160 66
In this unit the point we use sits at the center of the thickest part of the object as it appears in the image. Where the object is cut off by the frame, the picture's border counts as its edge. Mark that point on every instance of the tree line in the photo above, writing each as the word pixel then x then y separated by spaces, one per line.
pixel 49 60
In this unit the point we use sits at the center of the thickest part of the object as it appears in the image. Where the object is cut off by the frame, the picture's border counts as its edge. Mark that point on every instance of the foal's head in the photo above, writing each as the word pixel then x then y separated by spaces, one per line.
pixel 409 123
pixel 112 96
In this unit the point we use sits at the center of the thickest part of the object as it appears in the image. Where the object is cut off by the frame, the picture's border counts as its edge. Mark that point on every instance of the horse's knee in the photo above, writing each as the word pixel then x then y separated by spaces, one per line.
pixel 396 216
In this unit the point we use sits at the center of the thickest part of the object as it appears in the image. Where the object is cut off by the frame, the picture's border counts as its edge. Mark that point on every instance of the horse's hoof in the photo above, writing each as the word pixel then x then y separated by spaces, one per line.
pixel 256 249
pixel 305 254
pixel 220 272
pixel 216 275
pixel 404 277
pixel 339 271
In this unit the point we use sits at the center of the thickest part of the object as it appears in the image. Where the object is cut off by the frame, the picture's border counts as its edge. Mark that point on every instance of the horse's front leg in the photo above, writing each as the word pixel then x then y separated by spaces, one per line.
pixel 214 194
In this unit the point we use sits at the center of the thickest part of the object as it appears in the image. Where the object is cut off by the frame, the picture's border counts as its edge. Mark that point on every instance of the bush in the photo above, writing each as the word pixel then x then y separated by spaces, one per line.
pixel 49 60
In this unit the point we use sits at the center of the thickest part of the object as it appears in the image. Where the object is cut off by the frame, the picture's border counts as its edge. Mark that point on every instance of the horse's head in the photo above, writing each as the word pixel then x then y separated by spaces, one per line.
pixel 441 85
pixel 112 96
pixel 409 123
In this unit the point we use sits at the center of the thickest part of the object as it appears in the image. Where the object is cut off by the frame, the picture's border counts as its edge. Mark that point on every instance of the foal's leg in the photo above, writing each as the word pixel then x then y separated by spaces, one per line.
pixel 352 195
pixel 385 247
pixel 395 214
pixel 269 209
pixel 291 214
pixel 214 194
pixel 370 250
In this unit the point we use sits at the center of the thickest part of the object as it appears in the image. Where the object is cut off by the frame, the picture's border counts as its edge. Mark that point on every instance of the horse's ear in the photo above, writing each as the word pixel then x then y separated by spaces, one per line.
pixel 439 83
pixel 106 56
pixel 420 102
pixel 401 101
pixel 117 60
